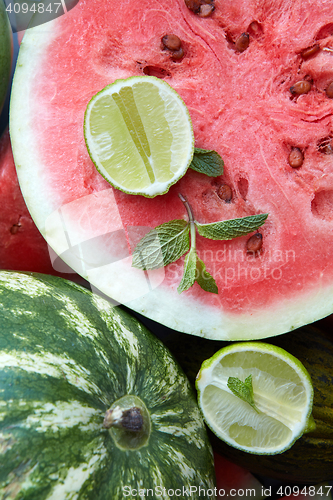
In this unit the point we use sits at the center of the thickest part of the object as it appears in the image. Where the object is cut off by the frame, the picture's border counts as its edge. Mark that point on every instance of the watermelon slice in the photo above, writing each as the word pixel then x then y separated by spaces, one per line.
pixel 22 247
pixel 243 75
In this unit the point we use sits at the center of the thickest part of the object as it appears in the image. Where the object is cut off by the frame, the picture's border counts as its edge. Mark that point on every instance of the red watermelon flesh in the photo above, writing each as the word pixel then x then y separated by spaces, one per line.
pixel 233 480
pixel 241 105
pixel 22 247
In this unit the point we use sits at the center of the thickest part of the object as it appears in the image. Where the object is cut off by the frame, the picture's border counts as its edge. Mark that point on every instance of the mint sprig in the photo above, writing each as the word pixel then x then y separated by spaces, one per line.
pixel 195 271
pixel 163 245
pixel 207 162
pixel 190 266
pixel 243 390
pixel 204 279
pixel 194 268
pixel 232 228
pixel 170 241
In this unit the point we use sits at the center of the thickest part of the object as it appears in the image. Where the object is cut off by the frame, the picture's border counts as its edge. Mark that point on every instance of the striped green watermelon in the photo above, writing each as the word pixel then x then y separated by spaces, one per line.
pixel 257 80
pixel 66 357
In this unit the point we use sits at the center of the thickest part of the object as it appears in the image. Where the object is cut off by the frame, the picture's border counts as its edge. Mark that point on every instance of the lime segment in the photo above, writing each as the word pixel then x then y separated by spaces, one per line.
pixel 282 392
pixel 139 135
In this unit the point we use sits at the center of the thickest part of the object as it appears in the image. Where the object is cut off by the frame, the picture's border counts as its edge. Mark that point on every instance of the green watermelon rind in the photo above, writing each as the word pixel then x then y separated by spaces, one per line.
pixel 66 355
pixel 6 51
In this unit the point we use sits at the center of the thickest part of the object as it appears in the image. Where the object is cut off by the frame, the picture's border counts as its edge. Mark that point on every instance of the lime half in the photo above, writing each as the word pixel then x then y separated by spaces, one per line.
pixel 139 135
pixel 256 397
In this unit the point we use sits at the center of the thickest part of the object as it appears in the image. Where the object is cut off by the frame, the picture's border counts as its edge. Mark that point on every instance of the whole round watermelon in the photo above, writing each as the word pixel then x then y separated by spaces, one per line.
pixel 257 80
pixel 93 406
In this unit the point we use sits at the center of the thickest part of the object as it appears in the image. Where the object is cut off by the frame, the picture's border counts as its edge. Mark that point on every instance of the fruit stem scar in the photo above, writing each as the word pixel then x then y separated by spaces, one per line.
pixel 130 419
pixel 128 423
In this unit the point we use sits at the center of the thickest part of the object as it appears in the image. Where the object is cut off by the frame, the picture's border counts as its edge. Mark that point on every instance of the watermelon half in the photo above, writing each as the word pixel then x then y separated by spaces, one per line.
pixel 241 105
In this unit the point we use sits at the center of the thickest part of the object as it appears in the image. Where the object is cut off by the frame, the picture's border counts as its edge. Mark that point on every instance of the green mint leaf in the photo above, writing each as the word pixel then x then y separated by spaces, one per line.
pixel 204 279
pixel 232 228
pixel 243 390
pixel 195 271
pixel 162 245
pixel 207 162
pixel 190 266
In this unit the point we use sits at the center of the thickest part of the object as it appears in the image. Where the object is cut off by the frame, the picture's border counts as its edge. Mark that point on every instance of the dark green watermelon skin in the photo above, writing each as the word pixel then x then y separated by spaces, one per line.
pixel 6 50
pixel 65 356
pixel 310 459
